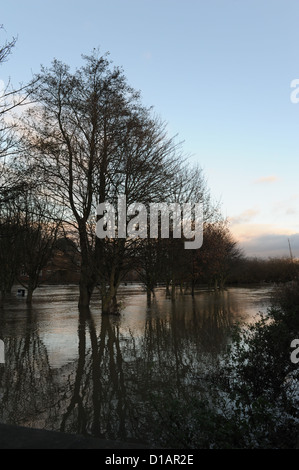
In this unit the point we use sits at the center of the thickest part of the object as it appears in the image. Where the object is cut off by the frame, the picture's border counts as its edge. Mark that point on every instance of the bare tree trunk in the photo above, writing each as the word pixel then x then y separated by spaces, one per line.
pixel 173 288
pixel 86 284
pixel 29 295
pixel 109 302
pixel 87 276
pixel 148 296
pixel 85 293
pixel 167 289
pixel 192 287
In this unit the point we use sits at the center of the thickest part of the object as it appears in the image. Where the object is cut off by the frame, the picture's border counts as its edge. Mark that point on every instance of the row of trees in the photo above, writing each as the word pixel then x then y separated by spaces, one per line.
pixel 84 139
pixel 167 261
pixel 260 270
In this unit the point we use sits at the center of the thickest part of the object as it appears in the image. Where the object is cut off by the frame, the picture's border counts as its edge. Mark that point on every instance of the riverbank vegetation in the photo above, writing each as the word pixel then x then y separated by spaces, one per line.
pixel 250 398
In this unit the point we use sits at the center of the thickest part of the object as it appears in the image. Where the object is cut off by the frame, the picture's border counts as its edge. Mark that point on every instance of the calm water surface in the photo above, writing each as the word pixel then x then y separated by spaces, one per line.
pixel 82 373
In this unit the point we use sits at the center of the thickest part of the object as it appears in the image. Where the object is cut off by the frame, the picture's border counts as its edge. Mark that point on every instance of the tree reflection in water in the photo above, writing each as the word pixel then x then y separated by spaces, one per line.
pixel 112 387
pixel 26 380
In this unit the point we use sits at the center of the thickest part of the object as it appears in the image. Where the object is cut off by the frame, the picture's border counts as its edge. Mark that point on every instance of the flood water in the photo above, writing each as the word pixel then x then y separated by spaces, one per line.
pixel 104 376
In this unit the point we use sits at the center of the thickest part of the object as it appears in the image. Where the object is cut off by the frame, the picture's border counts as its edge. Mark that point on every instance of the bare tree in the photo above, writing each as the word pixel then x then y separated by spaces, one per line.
pixel 220 251
pixel 39 226
pixel 11 99
pixel 91 140
pixel 6 48
pixel 166 260
pixel 9 247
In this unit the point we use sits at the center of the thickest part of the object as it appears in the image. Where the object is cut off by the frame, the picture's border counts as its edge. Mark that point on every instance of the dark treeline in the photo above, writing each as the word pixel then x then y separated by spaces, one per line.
pixel 259 270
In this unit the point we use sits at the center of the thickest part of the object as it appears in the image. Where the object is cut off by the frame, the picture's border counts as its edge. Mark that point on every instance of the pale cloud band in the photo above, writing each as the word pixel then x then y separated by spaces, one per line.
pixel 265 240
pixel 245 217
pixel 274 245
pixel 266 179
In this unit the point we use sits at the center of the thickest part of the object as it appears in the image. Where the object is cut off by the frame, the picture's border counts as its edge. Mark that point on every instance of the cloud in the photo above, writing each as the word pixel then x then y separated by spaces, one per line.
pixel 245 231
pixel 266 179
pixel 245 217
pixel 288 206
pixel 291 211
pixel 147 55
pixel 266 240
pixel 271 245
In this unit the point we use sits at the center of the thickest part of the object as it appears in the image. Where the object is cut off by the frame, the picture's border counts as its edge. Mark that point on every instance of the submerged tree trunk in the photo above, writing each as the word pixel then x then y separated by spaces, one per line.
pixel 29 295
pixel 110 306
pixel 86 287
pixel 173 285
pixel 167 288
pixel 108 295
pixel 85 293
pixel 148 296
pixel 88 268
pixel 109 302
pixel 192 287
